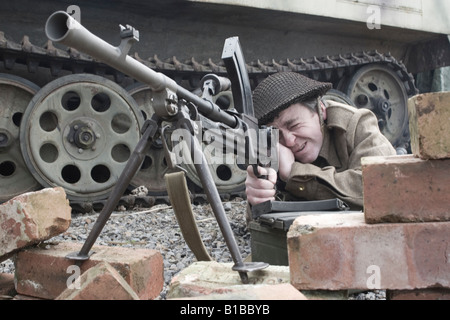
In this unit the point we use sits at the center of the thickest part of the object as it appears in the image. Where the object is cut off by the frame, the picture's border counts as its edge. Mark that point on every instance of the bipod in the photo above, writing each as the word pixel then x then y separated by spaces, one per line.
pixel 149 132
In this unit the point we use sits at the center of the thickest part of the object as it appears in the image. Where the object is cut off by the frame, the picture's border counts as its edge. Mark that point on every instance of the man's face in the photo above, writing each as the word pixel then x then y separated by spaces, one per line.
pixel 300 131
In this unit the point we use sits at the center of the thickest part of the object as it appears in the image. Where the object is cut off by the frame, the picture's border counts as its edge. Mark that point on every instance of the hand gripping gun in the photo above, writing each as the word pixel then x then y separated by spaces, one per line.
pixel 182 109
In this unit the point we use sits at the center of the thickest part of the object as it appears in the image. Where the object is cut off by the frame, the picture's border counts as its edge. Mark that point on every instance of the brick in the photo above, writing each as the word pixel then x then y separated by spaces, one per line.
pixel 31 218
pixel 24 297
pixel 210 277
pixel 429 115
pixel 340 251
pixel 419 294
pixel 405 189
pixel 7 287
pixel 282 291
pixel 101 282
pixel 43 272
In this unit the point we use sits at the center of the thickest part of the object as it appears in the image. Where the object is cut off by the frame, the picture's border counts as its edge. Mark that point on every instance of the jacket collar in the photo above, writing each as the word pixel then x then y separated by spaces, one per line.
pixel 328 151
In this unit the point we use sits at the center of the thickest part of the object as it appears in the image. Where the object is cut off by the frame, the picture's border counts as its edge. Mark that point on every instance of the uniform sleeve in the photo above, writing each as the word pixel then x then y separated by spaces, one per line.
pixel 362 139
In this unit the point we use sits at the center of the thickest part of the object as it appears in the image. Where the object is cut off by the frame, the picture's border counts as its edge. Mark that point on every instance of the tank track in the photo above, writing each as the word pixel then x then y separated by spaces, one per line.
pixel 330 68
pixel 334 69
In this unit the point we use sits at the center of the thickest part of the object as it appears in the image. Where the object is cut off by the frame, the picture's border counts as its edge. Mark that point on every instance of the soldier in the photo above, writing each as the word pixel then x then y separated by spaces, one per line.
pixel 321 143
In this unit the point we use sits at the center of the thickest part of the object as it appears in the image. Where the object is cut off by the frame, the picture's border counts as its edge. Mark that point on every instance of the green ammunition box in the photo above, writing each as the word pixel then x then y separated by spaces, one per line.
pixel 268 244
pixel 269 235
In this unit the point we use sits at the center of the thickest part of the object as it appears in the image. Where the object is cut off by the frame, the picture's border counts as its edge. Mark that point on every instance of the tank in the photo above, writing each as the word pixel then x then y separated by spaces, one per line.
pixel 377 54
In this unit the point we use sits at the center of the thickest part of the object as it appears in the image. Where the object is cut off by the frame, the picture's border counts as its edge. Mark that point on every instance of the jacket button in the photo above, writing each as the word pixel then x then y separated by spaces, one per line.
pixel 301 188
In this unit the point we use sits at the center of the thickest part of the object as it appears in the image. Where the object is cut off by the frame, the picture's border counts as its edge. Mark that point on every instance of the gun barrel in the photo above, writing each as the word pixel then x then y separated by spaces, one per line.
pixel 62 28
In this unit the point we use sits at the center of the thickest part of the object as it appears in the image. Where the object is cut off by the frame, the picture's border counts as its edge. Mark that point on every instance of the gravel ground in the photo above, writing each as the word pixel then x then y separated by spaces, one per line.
pixel 157 228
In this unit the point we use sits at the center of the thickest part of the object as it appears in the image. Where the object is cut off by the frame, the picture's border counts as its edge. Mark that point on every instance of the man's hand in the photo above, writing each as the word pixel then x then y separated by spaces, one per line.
pixel 260 190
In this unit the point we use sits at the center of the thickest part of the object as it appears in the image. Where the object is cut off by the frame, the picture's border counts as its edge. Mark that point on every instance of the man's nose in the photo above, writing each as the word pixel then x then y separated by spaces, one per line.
pixel 289 139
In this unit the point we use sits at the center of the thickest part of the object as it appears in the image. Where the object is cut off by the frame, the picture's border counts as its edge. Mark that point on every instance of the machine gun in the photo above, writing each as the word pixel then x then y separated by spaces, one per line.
pixel 184 111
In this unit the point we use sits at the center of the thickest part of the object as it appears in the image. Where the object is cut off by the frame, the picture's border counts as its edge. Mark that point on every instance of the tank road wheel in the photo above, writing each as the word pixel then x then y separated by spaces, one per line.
pixel 338 96
pixel 15 178
pixel 78 132
pixel 380 89
pixel 154 166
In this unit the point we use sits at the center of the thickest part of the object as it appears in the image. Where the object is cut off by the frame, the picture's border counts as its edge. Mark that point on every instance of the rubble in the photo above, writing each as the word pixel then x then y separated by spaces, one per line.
pixel 32 217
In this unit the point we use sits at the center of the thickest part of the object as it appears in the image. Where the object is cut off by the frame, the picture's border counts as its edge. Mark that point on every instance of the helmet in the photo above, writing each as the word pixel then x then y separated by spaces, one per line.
pixel 282 89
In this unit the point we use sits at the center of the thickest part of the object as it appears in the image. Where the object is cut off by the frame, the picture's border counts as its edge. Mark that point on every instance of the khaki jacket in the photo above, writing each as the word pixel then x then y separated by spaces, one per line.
pixel 349 135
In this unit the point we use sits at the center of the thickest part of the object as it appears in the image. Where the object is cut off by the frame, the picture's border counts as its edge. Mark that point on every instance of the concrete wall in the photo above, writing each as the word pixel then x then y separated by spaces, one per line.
pixel 188 29
pixel 420 15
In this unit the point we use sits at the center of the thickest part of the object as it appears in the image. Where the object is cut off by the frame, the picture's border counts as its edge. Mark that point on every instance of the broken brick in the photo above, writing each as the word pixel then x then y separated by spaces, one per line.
pixel 31 218
pixel 45 272
pixel 429 114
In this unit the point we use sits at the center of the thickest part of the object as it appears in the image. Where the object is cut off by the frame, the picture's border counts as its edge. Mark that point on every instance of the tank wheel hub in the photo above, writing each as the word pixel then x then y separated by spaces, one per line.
pixel 83 139
pixel 82 136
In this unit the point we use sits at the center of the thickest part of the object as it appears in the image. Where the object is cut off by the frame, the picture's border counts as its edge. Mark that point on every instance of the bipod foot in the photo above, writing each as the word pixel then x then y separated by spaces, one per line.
pixel 79 256
pixel 245 267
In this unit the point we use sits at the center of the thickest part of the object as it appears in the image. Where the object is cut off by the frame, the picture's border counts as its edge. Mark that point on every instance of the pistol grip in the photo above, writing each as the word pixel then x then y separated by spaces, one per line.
pixel 257 174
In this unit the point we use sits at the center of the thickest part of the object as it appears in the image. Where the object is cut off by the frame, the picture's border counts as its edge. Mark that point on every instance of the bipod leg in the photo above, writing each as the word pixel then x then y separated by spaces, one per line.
pixel 123 182
pixel 213 196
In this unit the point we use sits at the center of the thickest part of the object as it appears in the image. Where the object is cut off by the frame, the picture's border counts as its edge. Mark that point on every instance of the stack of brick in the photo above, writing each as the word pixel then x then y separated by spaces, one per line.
pixel 401 241
pixel 42 271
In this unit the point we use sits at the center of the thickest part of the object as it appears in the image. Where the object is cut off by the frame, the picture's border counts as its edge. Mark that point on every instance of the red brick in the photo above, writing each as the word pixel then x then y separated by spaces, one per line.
pixel 429 114
pixel 340 251
pixel 210 277
pixel 101 282
pixel 7 287
pixel 419 294
pixel 405 189
pixel 42 272
pixel 31 218
pixel 282 291
pixel 24 297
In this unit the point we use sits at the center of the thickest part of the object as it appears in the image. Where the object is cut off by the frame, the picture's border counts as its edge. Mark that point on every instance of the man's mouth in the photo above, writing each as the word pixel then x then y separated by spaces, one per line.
pixel 303 146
